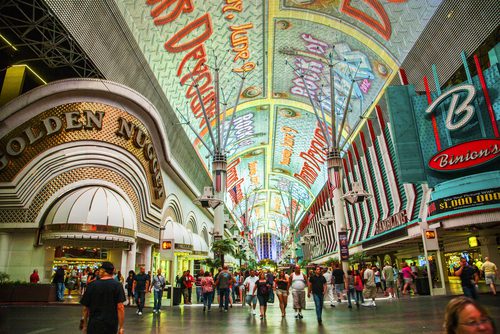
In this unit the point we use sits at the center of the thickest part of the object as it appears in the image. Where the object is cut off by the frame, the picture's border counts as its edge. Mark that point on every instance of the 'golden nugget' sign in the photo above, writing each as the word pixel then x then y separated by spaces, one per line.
pixel 80 122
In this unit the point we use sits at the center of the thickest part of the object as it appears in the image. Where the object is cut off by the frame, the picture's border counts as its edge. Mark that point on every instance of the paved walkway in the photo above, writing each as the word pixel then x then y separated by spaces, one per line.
pixel 421 314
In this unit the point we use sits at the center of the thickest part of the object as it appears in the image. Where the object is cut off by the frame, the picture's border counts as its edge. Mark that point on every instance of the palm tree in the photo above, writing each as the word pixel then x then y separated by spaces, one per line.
pixel 212 264
pixel 222 247
pixel 240 255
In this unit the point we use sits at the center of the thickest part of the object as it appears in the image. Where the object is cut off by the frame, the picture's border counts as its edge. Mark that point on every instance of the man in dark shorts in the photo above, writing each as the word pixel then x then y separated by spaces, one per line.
pixel 317 286
pixel 103 310
pixel 139 288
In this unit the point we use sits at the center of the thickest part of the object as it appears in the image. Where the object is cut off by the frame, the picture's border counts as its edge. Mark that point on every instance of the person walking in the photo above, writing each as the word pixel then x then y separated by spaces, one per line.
pixel 103 310
pixel 298 282
pixel 490 271
pixel 129 283
pixel 408 277
pixel 158 284
pixel 388 275
pixel 223 282
pixel 370 289
pixel 281 287
pixel 351 292
pixel 468 278
pixel 58 280
pixel 207 290
pixel 139 289
pixel 330 286
pixel 250 297
pixel 263 288
pixel 317 286
pixel 339 278
pixel 358 288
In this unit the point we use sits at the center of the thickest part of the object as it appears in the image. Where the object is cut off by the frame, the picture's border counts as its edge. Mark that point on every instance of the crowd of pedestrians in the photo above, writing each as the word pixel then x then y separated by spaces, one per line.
pixel 359 287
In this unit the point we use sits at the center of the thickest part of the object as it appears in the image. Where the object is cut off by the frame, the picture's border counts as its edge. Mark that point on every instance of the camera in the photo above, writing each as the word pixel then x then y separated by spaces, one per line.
pixel 207 200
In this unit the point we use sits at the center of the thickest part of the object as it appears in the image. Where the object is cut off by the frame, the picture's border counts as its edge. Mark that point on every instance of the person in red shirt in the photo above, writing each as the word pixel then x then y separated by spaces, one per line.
pixel 34 278
pixel 188 281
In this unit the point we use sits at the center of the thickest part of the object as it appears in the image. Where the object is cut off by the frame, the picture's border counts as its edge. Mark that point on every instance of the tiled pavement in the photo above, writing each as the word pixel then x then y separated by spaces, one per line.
pixel 421 314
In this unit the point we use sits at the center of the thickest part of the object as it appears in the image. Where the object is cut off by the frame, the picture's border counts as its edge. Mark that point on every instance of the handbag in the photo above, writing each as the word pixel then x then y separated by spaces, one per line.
pixel 271 297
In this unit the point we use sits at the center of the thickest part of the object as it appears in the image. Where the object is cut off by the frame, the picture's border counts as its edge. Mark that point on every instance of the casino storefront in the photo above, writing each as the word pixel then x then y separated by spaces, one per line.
pixel 432 172
pixel 80 179
pixel 450 140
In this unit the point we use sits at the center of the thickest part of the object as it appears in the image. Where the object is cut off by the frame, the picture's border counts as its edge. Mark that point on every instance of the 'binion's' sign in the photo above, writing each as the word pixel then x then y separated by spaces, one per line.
pixel 468 154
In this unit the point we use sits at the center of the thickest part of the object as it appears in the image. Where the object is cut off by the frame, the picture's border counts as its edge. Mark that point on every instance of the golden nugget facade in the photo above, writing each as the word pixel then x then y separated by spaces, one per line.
pixel 83 179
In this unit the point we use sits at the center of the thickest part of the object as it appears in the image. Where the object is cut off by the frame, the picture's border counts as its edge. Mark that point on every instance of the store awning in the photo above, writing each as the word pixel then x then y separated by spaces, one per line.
pixel 200 246
pixel 183 239
pixel 91 213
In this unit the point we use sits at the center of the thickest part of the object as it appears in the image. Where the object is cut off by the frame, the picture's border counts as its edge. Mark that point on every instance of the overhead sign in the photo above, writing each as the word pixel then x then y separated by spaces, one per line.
pixel 462 201
pixel 167 247
pixel 393 221
pixel 466 155
pixel 431 240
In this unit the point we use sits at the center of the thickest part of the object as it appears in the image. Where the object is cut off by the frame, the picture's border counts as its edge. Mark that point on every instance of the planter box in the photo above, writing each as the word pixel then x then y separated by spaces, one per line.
pixel 27 293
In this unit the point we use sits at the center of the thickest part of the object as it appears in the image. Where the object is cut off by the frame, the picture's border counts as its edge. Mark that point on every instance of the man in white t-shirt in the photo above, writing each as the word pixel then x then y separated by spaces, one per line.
pixel 298 282
pixel 370 289
pixel 251 297
pixel 329 286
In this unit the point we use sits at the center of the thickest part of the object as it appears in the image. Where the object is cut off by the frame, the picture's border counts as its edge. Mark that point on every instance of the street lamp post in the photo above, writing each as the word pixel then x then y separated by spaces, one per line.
pixel 333 149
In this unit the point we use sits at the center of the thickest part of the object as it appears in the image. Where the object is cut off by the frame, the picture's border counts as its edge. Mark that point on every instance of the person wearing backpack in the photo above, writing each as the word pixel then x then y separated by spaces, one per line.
pixel 469 278
pixel 158 283
pixel 223 283
pixel 263 288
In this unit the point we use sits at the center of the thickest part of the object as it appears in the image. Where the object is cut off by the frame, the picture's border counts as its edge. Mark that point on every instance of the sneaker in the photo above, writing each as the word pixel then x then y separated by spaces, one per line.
pixel 297 316
pixel 208 309
pixel 137 312
pixel 253 312
pixel 154 311
pixel 373 304
pixel 140 313
pixel 225 310
pixel 339 301
pixel 158 311
pixel 366 304
pixel 300 315
pixel 261 317
pixel 331 305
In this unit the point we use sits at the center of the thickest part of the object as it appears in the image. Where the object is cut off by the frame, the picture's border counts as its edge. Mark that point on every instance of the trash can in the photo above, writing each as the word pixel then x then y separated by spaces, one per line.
pixel 422 285
pixel 177 296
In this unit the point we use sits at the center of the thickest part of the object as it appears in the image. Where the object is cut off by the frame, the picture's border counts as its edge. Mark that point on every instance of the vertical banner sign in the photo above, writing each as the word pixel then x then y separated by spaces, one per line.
pixel 344 246
pixel 167 249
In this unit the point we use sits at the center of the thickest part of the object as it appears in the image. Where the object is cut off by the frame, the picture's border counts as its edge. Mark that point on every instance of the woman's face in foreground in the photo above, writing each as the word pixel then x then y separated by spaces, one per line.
pixel 470 320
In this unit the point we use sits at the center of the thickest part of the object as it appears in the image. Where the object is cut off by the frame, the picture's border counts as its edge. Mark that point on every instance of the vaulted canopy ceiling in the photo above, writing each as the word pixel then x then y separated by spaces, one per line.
pixel 275 151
